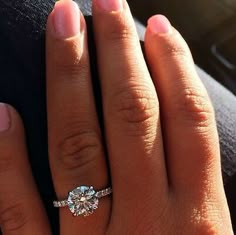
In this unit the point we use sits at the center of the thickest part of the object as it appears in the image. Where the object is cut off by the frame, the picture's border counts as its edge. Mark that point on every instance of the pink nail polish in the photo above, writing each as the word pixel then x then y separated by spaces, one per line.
pixel 159 24
pixel 66 17
pixel 110 5
pixel 4 118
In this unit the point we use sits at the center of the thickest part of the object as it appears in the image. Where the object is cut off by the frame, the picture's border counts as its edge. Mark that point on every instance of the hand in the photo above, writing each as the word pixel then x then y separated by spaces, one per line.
pixel 161 149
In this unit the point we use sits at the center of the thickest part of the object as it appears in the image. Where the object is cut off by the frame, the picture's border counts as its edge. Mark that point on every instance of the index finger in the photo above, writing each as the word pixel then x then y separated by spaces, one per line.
pixel 131 109
pixel 19 199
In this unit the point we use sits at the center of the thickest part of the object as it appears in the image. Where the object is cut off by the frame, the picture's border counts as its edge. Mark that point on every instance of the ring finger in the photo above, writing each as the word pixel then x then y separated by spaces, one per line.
pixel 75 144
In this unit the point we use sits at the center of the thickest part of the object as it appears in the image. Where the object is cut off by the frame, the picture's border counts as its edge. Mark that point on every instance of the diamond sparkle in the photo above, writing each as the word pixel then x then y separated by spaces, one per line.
pixel 83 201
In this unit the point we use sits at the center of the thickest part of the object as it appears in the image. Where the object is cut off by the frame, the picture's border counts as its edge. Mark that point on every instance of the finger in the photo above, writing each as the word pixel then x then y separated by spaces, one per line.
pixel 130 107
pixel 19 199
pixel 75 143
pixel 187 115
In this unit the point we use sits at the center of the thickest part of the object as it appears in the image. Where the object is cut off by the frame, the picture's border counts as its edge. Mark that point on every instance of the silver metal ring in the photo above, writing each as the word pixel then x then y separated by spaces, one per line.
pixel 83 200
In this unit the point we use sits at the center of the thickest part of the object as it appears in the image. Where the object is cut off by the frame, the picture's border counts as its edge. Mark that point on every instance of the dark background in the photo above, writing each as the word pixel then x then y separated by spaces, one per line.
pixel 209 27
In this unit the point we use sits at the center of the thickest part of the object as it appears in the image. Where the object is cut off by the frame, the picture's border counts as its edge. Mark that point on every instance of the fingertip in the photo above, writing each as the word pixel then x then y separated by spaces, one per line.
pixel 159 24
pixel 5 120
pixel 163 40
pixel 12 137
pixel 65 20
pixel 160 28
pixel 11 125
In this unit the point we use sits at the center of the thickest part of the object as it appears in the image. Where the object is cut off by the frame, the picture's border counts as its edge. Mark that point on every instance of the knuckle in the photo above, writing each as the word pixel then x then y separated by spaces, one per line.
pixel 153 220
pixel 13 218
pixel 174 50
pixel 205 226
pixel 6 161
pixel 79 149
pixel 69 72
pixel 118 30
pixel 137 108
pixel 71 59
pixel 195 107
pixel 206 215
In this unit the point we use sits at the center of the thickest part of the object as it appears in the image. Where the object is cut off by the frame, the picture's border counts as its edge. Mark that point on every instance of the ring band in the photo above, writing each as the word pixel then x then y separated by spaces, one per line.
pixel 83 200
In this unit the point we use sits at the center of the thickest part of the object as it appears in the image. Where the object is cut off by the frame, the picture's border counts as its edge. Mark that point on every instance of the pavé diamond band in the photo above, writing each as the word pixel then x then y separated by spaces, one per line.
pixel 83 200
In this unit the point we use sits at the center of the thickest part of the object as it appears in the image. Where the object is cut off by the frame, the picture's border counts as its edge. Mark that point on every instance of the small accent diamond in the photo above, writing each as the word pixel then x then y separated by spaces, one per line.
pixel 82 201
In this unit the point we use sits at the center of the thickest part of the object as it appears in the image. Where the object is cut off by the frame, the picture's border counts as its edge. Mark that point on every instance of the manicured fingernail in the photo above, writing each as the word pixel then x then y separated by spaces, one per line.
pixel 159 24
pixel 110 5
pixel 4 118
pixel 66 17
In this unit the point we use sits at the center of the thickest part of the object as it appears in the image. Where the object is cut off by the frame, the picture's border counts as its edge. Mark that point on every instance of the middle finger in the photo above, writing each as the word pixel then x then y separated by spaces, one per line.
pixel 131 111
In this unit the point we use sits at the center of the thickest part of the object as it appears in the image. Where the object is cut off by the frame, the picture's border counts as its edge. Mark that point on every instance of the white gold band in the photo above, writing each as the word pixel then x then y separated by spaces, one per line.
pixel 83 200
pixel 99 194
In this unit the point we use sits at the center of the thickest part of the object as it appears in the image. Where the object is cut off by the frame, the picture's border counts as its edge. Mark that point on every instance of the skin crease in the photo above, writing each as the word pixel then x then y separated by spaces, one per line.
pixel 161 151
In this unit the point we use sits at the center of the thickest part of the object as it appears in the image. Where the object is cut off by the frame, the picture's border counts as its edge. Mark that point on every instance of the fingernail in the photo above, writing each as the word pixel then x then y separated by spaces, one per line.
pixel 159 24
pixel 66 17
pixel 4 118
pixel 110 5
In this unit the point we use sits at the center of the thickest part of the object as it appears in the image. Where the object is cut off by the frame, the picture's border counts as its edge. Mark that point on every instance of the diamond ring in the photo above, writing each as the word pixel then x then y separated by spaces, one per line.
pixel 83 200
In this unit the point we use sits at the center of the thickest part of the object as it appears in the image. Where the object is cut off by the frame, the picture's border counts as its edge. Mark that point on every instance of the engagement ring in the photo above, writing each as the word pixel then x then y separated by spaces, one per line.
pixel 83 200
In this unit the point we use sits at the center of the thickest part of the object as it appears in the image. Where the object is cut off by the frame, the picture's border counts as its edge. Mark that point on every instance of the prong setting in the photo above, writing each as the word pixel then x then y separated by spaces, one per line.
pixel 83 200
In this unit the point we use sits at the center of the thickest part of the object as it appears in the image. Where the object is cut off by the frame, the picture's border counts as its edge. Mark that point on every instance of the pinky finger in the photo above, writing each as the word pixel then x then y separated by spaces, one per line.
pixel 21 210
pixel 188 121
